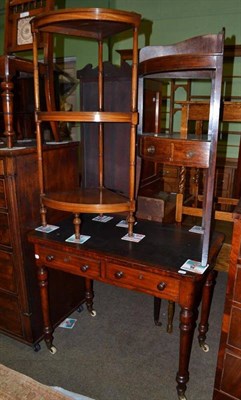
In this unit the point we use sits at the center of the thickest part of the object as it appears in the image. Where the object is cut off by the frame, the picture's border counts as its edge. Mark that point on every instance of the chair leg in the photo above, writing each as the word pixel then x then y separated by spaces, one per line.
pixel 171 312
pixel 157 308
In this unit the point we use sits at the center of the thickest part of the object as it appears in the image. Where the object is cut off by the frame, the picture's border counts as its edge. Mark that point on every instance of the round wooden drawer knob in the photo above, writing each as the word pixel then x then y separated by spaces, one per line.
pixel 151 149
pixel 84 268
pixel 161 286
pixel 119 274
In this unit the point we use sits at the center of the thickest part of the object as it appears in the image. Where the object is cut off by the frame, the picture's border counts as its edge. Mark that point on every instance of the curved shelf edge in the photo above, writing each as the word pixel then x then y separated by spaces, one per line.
pixel 88 201
pixel 88 116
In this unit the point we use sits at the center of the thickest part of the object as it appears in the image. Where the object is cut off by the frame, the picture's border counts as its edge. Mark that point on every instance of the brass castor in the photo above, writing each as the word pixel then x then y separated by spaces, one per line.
pixel 53 350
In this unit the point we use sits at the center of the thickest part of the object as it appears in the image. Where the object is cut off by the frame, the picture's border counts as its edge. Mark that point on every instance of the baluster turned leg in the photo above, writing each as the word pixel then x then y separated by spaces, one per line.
pixel 43 214
pixel 89 296
pixel 207 296
pixel 187 326
pixel 77 223
pixel 48 330
pixel 7 103
pixel 131 221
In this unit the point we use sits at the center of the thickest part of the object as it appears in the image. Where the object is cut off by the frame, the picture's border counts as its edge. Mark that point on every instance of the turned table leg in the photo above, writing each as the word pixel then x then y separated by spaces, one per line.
pixel 48 330
pixel 89 296
pixel 207 296
pixel 188 319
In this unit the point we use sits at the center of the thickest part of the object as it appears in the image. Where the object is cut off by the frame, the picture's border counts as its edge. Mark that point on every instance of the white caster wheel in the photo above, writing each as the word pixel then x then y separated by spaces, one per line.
pixel 93 313
pixel 182 397
pixel 205 347
pixel 53 350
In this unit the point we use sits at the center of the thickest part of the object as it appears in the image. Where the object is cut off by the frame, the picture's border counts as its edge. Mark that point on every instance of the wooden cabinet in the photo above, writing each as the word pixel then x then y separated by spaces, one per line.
pixel 228 372
pixel 20 311
pixel 117 81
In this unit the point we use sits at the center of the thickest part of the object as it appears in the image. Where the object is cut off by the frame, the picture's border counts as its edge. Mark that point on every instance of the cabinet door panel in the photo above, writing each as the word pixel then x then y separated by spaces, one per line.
pixel 232 376
pixel 2 194
pixel 117 86
pixel 234 332
pixel 5 238
pixel 7 280
pixel 10 320
pixel 1 167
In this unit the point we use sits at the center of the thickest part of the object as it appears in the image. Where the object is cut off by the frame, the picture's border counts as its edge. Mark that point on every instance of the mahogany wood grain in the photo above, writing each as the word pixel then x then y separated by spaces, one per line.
pixel 174 151
pixel 228 371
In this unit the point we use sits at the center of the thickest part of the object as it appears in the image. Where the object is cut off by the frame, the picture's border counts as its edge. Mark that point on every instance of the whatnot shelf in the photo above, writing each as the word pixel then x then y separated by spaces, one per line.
pixel 97 24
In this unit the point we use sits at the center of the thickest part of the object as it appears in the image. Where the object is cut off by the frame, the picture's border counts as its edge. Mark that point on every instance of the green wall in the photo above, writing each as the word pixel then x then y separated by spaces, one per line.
pixel 164 22
pixel 169 21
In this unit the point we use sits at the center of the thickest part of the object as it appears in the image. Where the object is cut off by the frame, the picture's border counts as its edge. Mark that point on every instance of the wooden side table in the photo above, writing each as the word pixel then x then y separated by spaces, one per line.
pixel 148 267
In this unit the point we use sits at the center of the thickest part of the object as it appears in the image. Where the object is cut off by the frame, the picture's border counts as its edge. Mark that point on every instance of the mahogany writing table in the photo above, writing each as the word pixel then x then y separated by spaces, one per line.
pixel 150 266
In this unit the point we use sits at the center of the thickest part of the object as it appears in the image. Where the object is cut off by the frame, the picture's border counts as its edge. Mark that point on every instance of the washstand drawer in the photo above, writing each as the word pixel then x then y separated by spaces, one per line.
pixel 70 263
pixel 179 152
pixel 166 286
pixel 7 279
pixel 3 203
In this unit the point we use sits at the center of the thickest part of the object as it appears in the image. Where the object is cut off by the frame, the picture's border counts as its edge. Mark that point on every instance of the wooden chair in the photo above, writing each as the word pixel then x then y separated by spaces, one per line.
pixel 199 58
pixel 199 112
pixel 18 37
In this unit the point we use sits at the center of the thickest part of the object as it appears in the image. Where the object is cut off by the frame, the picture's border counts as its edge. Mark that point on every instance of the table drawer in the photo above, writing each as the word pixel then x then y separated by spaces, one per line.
pixel 7 280
pixel 70 263
pixel 151 283
pixel 3 203
pixel 1 167
pixel 179 152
